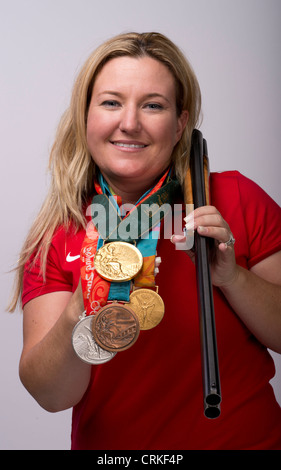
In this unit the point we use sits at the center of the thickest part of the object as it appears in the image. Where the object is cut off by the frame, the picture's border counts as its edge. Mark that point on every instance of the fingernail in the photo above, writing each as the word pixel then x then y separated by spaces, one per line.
pixel 202 229
pixel 189 217
pixel 189 225
pixel 157 261
pixel 177 238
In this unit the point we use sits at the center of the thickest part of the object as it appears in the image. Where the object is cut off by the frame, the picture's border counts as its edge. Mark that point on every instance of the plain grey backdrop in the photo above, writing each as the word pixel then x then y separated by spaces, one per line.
pixel 235 49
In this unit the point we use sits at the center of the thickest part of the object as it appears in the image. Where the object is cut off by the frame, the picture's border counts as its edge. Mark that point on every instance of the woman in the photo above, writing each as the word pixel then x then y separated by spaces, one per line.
pixel 127 133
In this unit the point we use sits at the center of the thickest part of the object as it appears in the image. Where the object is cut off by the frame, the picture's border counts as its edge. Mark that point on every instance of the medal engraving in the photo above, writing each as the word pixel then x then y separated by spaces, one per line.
pixel 118 261
pixel 148 306
pixel 85 345
pixel 115 327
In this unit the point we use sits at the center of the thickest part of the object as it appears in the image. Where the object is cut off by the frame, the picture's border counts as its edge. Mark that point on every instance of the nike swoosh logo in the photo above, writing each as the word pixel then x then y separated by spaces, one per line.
pixel 70 258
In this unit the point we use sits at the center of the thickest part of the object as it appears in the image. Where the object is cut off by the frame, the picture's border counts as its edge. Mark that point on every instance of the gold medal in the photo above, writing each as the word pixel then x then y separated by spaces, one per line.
pixel 118 261
pixel 115 327
pixel 148 306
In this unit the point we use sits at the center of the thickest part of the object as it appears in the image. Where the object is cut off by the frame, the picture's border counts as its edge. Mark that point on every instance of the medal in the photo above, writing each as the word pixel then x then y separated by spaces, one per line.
pixel 85 346
pixel 115 327
pixel 118 261
pixel 109 264
pixel 148 306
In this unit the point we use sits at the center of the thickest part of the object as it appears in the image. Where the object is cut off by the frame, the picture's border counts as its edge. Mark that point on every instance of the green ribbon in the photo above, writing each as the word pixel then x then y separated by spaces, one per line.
pixel 141 221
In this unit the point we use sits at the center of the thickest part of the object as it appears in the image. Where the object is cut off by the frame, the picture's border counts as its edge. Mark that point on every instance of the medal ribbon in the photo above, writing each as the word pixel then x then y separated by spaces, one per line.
pixel 96 290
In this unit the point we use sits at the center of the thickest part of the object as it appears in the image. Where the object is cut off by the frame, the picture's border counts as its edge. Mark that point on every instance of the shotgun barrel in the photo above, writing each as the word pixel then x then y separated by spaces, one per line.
pixel 209 354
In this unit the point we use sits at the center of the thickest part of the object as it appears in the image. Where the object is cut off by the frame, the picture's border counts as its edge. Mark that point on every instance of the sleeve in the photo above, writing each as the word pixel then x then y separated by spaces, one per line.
pixel 55 280
pixel 262 218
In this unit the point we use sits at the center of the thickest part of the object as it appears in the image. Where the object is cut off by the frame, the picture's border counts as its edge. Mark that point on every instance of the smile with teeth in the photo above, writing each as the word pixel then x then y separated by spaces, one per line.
pixel 129 145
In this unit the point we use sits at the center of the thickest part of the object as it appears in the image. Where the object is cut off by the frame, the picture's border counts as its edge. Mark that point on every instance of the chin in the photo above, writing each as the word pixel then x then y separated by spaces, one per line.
pixel 128 173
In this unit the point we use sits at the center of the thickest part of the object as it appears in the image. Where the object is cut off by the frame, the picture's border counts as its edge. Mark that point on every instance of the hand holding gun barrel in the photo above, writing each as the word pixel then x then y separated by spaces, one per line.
pixel 197 179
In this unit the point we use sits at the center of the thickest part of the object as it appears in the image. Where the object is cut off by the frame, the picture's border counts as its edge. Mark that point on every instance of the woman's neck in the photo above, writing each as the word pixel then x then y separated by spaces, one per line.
pixel 130 189
pixel 130 192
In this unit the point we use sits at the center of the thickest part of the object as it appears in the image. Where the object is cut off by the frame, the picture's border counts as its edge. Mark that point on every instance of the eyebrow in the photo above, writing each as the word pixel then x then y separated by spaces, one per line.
pixel 149 95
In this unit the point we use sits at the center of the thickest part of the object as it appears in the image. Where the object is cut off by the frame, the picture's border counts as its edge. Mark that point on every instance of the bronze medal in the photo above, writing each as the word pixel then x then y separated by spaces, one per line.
pixel 148 306
pixel 115 327
pixel 118 261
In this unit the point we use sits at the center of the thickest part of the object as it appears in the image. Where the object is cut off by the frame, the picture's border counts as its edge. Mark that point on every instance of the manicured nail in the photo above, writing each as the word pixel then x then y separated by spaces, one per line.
pixel 189 217
pixel 177 238
pixel 190 225
pixel 202 229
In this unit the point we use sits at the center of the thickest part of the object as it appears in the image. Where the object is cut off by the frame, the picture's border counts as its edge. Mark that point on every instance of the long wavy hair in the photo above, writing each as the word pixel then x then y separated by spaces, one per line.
pixel 71 165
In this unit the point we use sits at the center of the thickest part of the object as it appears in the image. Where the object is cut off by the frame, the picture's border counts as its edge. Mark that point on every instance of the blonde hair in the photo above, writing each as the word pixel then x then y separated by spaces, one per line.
pixel 72 168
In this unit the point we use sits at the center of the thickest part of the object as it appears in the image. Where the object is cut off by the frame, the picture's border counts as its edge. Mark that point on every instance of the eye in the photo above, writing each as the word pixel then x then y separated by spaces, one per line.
pixel 110 104
pixel 154 106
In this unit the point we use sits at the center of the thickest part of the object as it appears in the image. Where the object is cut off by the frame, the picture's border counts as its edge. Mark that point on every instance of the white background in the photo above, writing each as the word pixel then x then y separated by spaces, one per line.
pixel 234 47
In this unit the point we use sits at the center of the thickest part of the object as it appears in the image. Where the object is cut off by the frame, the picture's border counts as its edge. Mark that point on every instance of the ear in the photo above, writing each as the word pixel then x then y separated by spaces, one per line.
pixel 181 124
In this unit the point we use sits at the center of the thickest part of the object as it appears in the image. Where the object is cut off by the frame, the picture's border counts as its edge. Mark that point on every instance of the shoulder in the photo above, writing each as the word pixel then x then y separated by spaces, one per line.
pixel 232 191
pixel 254 217
pixel 67 235
pixel 232 176
pixel 225 190
pixel 240 187
pixel 65 248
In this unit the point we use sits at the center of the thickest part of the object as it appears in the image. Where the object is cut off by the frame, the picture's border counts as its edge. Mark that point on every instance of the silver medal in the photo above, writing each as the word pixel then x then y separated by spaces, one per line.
pixel 85 345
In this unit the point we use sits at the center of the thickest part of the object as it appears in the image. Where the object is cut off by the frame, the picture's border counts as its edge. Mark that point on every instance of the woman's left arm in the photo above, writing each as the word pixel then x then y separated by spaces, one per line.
pixel 254 295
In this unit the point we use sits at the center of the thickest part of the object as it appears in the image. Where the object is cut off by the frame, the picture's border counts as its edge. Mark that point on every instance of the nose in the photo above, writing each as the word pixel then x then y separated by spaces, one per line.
pixel 130 120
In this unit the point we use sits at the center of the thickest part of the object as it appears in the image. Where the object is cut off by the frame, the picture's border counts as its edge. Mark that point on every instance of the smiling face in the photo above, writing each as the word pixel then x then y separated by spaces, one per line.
pixel 132 124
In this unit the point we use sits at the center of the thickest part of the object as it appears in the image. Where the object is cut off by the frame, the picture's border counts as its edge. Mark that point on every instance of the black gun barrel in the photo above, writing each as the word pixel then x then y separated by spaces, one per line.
pixel 209 354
